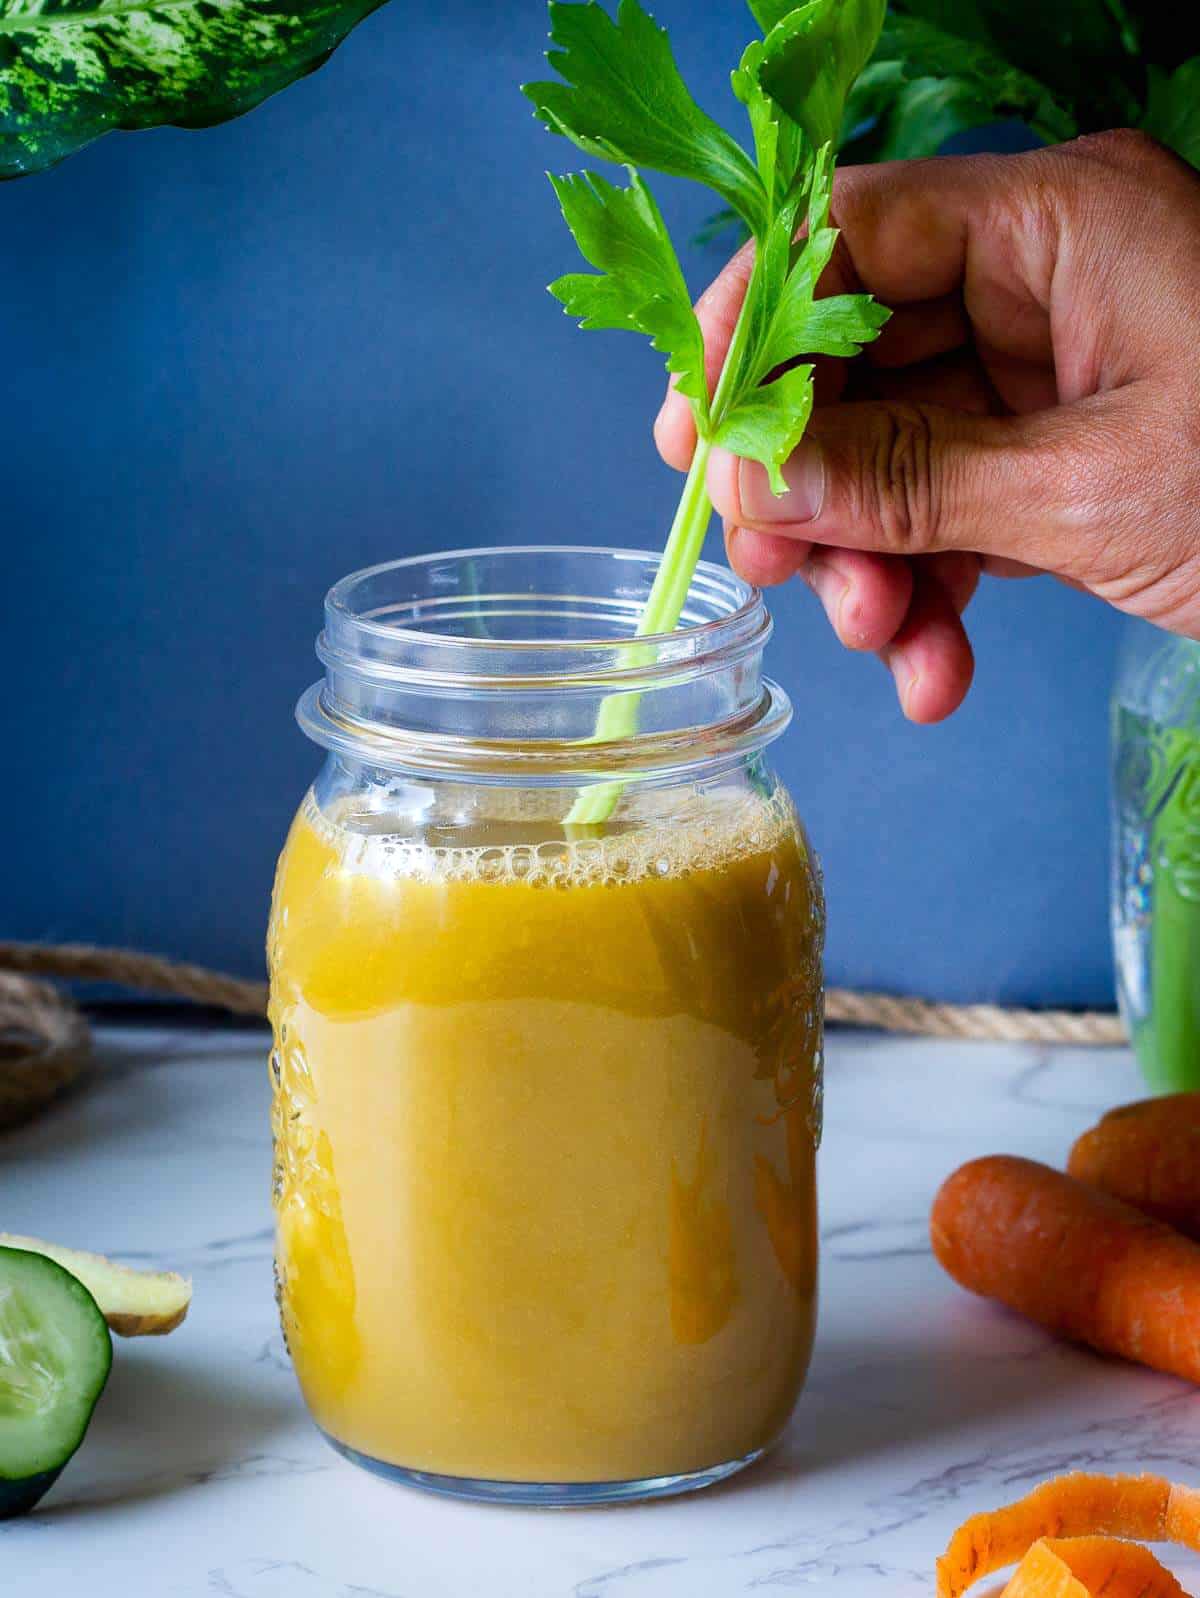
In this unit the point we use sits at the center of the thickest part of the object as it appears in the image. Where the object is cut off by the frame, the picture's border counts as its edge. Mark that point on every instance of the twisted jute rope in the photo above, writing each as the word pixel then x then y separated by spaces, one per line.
pixel 45 1041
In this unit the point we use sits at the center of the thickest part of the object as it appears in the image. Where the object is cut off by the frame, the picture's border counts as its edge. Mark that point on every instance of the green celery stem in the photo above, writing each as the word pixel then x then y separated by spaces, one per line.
pixel 618 716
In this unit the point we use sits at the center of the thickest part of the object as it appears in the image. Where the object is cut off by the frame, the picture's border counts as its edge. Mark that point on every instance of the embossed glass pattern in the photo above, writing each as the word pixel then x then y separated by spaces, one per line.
pixel 546 1100
pixel 1156 852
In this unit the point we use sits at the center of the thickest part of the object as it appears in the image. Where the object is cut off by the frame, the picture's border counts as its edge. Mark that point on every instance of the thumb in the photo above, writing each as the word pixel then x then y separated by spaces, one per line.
pixel 914 479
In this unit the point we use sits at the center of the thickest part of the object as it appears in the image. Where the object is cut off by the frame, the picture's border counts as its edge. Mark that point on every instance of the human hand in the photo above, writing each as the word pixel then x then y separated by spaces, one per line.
pixel 1032 406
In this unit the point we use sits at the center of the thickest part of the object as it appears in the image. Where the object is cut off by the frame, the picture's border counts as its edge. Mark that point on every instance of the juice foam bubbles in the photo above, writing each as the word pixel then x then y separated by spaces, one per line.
pixel 545 1119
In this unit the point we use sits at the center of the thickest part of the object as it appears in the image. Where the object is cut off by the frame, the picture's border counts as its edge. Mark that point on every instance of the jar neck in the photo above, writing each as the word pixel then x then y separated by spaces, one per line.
pixel 494 665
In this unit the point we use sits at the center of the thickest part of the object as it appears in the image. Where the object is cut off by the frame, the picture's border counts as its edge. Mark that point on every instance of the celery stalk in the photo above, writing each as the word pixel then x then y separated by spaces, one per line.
pixel 618 715
pixel 618 95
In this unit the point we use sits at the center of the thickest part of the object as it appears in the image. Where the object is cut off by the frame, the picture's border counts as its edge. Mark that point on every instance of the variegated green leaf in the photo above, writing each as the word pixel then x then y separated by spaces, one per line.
pixel 71 70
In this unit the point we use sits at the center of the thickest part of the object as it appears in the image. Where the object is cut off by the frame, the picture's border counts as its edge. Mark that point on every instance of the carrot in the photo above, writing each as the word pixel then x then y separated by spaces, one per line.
pixel 1068 1531
pixel 1081 1567
pixel 1149 1155
pixel 1078 1262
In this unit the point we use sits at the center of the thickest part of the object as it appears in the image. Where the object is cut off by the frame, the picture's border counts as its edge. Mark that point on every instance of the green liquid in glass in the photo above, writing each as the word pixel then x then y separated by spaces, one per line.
pixel 1157 896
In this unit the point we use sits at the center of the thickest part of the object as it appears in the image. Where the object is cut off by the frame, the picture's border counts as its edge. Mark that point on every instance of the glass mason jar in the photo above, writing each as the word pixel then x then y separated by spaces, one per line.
pixel 1156 852
pixel 547 1096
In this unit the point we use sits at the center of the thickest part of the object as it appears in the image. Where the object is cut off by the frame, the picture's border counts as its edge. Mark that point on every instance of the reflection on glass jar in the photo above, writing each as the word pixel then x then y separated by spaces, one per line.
pixel 1156 852
pixel 547 1098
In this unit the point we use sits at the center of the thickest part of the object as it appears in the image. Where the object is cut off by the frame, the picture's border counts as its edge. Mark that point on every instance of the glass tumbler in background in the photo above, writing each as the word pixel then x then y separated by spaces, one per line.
pixel 1156 852
pixel 546 1098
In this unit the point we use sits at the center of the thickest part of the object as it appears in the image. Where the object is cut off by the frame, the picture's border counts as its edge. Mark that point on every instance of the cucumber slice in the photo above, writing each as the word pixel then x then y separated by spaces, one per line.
pixel 55 1354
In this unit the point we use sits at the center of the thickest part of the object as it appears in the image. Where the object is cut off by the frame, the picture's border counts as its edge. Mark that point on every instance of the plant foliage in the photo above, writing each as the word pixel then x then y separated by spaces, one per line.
pixel 942 67
pixel 619 96
pixel 71 70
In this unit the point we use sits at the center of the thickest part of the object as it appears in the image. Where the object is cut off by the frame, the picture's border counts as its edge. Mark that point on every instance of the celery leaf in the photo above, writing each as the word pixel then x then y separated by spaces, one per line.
pixel 778 141
pixel 768 12
pixel 768 423
pixel 812 56
pixel 801 324
pixel 641 286
pixel 623 99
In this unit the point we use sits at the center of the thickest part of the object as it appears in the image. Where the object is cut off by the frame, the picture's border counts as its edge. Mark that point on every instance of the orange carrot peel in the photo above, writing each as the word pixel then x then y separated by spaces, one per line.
pixel 1088 1567
pixel 1071 1537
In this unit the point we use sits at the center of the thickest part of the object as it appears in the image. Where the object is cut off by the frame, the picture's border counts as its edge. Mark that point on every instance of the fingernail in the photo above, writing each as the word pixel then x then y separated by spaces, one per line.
pixel 830 589
pixel 722 478
pixel 906 677
pixel 804 474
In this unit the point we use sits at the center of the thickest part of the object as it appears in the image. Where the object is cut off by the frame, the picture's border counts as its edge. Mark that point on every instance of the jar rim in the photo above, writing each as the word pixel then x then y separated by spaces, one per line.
pixel 416 677
pixel 720 580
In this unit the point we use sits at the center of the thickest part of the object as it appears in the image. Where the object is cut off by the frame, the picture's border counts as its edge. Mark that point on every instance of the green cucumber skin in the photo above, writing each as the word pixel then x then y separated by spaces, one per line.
pixel 40 1459
pixel 19 1497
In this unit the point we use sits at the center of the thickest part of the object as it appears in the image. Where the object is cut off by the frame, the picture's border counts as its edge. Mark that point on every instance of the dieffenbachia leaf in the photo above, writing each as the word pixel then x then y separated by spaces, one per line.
pixel 811 58
pixel 1173 109
pixel 622 98
pixel 641 286
pixel 71 70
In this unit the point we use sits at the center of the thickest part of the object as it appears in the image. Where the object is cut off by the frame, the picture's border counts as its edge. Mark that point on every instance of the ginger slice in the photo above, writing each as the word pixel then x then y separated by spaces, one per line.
pixel 134 1303
pixel 1072 1507
pixel 1082 1567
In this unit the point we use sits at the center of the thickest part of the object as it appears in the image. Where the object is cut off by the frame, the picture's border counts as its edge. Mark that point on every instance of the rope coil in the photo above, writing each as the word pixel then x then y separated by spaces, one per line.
pixel 987 1022
pixel 45 1045
pixel 45 1041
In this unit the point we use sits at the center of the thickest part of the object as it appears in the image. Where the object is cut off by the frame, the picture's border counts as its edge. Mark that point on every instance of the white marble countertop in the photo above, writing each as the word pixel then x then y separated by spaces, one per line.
pixel 201 1474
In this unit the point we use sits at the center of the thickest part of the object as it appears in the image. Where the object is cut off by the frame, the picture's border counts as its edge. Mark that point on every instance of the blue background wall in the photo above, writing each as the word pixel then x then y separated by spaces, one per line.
pixel 242 362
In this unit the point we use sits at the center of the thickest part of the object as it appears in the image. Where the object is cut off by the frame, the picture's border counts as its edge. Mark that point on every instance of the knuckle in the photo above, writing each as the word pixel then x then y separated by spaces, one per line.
pixel 1128 149
pixel 1136 529
pixel 899 481
pixel 1189 426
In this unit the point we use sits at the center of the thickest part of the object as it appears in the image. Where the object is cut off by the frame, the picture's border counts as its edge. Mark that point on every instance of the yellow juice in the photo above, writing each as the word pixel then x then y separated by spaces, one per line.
pixel 545 1122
